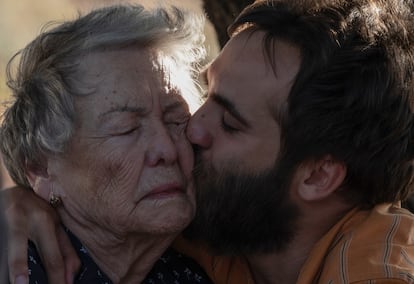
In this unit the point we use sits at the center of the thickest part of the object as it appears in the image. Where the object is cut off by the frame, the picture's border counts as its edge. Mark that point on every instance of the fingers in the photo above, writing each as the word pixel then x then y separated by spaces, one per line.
pixel 54 247
pixel 28 215
pixel 44 233
pixel 17 237
pixel 17 255
pixel 71 259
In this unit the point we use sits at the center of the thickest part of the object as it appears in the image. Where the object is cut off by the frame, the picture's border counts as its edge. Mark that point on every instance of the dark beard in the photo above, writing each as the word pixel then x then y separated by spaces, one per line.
pixel 242 213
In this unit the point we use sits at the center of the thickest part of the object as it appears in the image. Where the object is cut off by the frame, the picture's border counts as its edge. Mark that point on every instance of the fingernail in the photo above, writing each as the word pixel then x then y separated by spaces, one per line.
pixel 21 279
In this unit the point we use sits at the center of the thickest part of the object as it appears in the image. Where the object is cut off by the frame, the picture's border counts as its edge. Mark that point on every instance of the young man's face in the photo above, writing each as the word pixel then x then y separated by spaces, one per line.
pixel 238 123
pixel 237 137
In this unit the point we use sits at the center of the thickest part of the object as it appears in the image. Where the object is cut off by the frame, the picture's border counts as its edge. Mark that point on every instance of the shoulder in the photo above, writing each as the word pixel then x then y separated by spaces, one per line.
pixel 174 267
pixel 372 245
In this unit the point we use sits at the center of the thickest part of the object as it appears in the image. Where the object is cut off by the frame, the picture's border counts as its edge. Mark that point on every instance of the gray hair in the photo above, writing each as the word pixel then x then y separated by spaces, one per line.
pixel 42 117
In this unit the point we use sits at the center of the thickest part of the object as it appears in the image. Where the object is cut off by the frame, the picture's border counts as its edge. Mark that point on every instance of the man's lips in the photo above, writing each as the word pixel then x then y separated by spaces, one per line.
pixel 164 191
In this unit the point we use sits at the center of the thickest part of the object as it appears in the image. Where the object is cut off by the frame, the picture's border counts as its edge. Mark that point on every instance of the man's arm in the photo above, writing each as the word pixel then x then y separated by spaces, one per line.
pixel 26 215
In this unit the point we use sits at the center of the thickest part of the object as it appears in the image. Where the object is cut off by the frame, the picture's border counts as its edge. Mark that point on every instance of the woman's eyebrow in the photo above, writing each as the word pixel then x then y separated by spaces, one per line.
pixel 138 110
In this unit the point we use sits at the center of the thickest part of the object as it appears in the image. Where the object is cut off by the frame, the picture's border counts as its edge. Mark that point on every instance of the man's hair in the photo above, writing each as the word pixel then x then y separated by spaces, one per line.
pixel 42 117
pixel 353 95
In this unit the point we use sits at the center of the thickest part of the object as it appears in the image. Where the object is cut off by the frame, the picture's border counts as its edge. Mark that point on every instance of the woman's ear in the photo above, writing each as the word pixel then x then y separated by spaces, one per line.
pixel 39 180
pixel 318 179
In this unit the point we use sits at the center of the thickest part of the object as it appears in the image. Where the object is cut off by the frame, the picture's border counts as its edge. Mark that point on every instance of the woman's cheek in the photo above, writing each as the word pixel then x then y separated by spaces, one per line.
pixel 185 155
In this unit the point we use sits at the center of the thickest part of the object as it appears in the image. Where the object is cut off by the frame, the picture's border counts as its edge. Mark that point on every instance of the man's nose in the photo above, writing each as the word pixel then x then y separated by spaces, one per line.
pixel 198 131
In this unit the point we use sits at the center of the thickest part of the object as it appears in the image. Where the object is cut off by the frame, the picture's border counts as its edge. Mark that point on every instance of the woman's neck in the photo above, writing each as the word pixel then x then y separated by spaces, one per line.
pixel 123 258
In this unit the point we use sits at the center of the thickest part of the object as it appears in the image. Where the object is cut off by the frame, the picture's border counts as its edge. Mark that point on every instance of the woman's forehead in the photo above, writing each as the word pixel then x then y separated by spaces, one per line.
pixel 126 78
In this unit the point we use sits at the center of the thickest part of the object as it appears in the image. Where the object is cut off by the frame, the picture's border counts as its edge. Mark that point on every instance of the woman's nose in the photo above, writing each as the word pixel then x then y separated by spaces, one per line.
pixel 162 149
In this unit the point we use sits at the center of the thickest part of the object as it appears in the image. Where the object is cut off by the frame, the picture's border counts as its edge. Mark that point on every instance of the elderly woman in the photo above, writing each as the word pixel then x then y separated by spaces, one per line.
pixel 97 129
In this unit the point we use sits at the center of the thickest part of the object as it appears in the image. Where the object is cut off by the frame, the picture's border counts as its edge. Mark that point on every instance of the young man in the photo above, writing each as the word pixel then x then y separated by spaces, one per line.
pixel 305 143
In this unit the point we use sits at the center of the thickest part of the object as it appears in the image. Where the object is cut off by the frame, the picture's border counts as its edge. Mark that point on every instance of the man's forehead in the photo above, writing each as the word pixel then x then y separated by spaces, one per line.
pixel 243 75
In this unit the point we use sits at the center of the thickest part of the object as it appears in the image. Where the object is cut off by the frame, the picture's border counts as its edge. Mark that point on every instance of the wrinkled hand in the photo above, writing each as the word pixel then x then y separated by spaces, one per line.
pixel 26 216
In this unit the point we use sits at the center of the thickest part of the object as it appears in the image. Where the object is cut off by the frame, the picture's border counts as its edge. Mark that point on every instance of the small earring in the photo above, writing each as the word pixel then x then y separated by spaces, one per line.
pixel 55 201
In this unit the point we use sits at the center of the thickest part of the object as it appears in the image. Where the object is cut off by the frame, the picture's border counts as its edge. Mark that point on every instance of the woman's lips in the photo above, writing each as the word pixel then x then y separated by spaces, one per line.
pixel 164 191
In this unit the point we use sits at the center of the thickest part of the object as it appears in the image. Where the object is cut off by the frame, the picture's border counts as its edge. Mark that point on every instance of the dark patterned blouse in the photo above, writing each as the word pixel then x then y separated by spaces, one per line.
pixel 171 268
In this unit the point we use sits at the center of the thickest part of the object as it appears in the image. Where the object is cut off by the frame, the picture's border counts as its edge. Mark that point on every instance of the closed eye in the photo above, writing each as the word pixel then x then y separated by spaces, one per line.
pixel 178 124
pixel 229 123
pixel 227 127
pixel 127 132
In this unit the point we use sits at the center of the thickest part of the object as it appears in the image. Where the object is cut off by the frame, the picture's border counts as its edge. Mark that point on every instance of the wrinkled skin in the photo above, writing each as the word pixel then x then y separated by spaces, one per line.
pixel 130 140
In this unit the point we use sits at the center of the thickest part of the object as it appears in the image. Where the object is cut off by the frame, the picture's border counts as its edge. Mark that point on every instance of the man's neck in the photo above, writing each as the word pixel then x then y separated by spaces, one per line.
pixel 279 267
pixel 285 266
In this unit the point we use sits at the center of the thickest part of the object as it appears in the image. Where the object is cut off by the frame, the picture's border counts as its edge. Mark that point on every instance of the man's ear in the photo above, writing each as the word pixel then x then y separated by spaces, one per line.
pixel 39 180
pixel 320 178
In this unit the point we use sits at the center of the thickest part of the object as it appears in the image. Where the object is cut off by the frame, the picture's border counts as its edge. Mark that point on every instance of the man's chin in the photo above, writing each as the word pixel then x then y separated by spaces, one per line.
pixel 241 213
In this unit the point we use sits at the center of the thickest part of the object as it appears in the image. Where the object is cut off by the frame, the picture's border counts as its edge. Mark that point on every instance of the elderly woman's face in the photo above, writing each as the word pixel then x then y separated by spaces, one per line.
pixel 128 166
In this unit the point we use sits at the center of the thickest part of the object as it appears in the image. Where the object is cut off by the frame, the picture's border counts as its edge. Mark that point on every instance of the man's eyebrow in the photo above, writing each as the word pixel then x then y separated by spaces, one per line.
pixel 230 107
